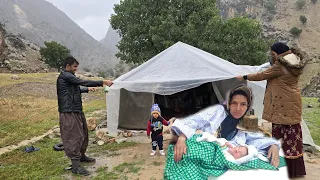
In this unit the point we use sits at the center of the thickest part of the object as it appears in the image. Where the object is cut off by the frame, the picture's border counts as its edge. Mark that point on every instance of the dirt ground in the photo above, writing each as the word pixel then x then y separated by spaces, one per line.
pixel 152 167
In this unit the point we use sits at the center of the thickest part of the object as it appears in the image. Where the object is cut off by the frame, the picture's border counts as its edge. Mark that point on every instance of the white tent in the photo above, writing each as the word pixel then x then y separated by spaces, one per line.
pixel 178 68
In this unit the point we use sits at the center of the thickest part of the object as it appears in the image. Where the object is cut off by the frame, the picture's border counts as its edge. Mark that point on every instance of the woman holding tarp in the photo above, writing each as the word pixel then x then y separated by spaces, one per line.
pixel 283 103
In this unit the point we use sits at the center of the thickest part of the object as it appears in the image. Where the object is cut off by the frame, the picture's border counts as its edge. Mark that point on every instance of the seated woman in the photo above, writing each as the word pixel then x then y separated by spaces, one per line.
pixel 224 117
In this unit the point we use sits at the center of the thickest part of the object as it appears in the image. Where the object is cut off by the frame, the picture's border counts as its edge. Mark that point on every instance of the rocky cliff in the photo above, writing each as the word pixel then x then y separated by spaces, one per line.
pixel 19 55
pixel 277 18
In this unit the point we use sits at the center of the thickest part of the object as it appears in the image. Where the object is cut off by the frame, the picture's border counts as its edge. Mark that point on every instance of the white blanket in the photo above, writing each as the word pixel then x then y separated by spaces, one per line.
pixel 259 174
pixel 255 174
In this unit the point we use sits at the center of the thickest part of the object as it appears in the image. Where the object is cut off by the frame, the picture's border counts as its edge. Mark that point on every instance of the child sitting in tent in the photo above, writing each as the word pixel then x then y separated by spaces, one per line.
pixel 237 154
pixel 155 125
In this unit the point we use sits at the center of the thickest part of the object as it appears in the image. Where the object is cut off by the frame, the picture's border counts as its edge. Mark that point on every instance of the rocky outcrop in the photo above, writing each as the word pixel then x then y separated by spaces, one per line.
pixel 313 88
pixel 19 55
pixel 2 41
pixel 231 8
pixel 271 32
pixel 254 9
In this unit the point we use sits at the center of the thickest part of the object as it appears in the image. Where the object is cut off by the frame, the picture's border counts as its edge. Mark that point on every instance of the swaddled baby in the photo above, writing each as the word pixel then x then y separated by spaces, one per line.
pixel 236 154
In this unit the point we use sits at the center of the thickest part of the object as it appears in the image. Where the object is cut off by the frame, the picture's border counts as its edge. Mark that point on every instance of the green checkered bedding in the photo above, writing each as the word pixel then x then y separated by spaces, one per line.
pixel 204 159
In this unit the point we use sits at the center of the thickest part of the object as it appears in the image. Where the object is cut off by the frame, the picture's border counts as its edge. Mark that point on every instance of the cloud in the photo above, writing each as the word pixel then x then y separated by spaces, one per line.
pixel 91 15
pixel 96 26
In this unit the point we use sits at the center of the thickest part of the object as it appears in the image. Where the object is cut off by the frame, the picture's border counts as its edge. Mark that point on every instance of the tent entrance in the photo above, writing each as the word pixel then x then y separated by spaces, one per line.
pixel 186 102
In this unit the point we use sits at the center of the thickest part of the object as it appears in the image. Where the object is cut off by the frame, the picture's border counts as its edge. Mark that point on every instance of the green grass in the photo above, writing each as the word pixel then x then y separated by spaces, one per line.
pixel 312 117
pixel 119 172
pixel 43 164
pixel 94 105
pixel 32 77
pixel 113 154
pixel 24 117
pixel 49 164
pixel 128 168
pixel 155 163
pixel 103 174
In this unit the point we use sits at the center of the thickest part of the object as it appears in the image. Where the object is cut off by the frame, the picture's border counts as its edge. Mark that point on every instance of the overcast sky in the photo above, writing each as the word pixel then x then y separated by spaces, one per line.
pixel 90 15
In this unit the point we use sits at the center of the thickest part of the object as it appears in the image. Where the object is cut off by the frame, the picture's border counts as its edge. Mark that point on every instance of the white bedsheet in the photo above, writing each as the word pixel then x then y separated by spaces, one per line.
pixel 259 174
pixel 255 174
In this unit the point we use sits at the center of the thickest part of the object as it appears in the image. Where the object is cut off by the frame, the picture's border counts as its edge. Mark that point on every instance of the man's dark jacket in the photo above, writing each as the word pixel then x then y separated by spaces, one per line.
pixel 69 91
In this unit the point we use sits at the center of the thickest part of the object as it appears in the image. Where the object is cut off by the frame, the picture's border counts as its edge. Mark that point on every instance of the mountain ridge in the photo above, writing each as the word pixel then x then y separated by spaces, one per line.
pixel 40 21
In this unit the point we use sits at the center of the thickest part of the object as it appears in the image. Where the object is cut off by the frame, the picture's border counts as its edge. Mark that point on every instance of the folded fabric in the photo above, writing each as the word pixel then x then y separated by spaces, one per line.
pixel 204 159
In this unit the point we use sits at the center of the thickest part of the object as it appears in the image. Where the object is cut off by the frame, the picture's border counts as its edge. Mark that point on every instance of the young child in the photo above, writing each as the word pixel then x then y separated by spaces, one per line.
pixel 237 154
pixel 155 125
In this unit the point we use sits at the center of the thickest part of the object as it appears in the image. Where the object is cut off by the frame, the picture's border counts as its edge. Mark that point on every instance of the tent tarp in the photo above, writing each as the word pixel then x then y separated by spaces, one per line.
pixel 130 102
pixel 178 68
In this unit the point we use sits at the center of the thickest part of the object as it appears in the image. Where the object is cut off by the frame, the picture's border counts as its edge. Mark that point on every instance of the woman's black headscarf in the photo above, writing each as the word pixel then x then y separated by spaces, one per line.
pixel 279 47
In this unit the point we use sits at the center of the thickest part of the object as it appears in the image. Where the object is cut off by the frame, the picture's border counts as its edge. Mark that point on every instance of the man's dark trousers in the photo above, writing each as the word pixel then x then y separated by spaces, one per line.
pixel 74 134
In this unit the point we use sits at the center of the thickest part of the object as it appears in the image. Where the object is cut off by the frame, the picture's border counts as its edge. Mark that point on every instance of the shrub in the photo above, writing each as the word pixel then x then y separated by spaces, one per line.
pixel 303 19
pixel 295 31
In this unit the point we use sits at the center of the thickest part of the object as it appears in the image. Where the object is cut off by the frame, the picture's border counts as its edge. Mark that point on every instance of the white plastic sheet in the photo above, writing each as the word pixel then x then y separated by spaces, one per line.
pixel 178 68
pixel 182 67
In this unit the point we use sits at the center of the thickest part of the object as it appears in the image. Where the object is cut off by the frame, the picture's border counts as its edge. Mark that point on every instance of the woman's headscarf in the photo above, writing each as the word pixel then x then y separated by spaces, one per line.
pixel 243 88
pixel 228 127
pixel 280 48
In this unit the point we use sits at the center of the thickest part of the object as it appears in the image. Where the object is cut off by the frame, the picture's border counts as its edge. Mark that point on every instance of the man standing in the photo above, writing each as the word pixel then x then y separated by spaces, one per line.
pixel 73 125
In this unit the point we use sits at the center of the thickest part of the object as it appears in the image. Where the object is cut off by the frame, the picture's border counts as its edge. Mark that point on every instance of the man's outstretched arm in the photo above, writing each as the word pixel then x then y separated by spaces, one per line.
pixel 88 83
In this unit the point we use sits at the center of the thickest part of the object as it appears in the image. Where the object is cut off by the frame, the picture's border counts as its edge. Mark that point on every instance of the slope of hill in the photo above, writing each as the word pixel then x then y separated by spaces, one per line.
pixel 277 25
pixel 19 55
pixel 287 16
pixel 39 21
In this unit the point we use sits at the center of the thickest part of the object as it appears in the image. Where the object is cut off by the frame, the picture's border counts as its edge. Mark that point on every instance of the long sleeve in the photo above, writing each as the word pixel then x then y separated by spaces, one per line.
pixel 84 89
pixel 148 128
pixel 274 71
pixel 74 80
pixel 207 120
pixel 165 122
pixel 258 140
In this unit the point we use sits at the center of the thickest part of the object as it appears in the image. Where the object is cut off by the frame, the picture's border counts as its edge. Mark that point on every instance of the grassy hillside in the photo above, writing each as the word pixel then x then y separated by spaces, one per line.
pixel 312 117
pixel 28 106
